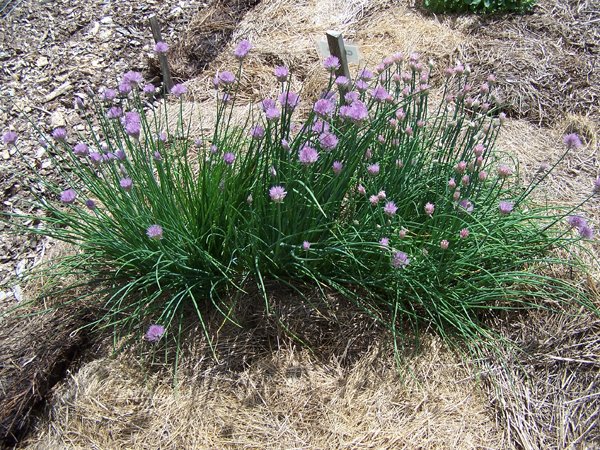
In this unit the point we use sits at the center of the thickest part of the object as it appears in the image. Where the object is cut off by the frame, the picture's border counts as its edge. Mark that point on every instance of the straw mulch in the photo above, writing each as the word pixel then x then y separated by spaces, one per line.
pixel 547 60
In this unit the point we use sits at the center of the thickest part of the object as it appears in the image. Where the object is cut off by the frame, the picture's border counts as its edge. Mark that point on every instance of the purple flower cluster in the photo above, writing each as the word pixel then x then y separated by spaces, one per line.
pixel 308 155
pixel 242 49
pixel 9 138
pixel 581 225
pixel 132 123
pixel 277 194
pixel 161 47
pixel 400 260
pixel 356 112
pixel 154 333
pixel 154 232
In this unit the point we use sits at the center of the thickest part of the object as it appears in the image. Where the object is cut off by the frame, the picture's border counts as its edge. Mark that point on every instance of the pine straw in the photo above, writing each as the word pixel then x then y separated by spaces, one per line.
pixel 546 386
pixel 549 59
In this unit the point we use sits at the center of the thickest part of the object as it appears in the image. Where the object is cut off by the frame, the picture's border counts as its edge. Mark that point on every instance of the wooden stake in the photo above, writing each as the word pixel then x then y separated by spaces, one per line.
pixel 335 41
pixel 164 63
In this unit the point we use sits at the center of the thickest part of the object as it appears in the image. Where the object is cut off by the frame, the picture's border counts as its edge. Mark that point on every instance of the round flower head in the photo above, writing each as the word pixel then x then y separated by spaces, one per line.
pixel 95 158
pixel 60 134
pixel 331 63
pixel 390 208
pixel 242 49
pixel 285 145
pixel 149 89
pixel 504 171
pixel 227 77
pixel 382 195
pixel 572 141
pixel 114 112
pixel 289 100
pixel 461 167
pixel 91 204
pixel 125 87
pixel 155 232
pixel 451 183
pixel 337 167
pixel 361 189
pixel 306 245
pixel 482 175
pixel 323 107
pixel 576 222
pixel 133 129
pixel 384 242
pixel 586 232
pixel 281 73
pixel 379 94
pixel 161 47
pixel 108 95
pixel 328 141
pixel 400 260
pixel 307 155
pixel 444 244
pixel 81 149
pixel 505 207
pixel 68 196
pixel 464 233
pixel 126 184
pixel 374 199
pixel 9 138
pixel 277 194
pixel 257 132
pixel 365 75
pixel 162 136
pixel 373 169
pixel 351 96
pixel 133 78
pixel 466 205
pixel 342 82
pixel 178 90
pixel 429 209
pixel 402 233
pixel 272 114
pixel 478 150
pixel 229 158
pixel 157 156
pixel 154 333
pixel 361 86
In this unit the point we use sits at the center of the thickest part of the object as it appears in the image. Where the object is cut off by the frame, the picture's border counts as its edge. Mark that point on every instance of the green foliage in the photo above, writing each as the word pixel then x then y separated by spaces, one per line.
pixel 478 6
pixel 411 226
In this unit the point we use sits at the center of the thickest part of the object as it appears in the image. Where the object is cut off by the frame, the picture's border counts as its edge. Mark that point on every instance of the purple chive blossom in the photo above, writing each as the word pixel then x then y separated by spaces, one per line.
pixel 444 244
pixel 382 195
pixel 464 233
pixel 351 96
pixel 214 149
pixel 461 167
pixel 466 205
pixel 384 242
pixel 68 196
pixel 229 158
pixel 390 208
pixel 361 86
pixel 114 112
pixel 328 141
pixel 306 246
pixel 308 155
pixel 379 94
pixel 586 232
pixel 154 333
pixel 133 129
pixel 355 112
pixel 361 189
pixel 9 138
pixel 95 158
pixel 242 49
pixel 161 47
pixel 125 87
pixel 126 184
pixel 365 75
pixel 373 169
pixel 320 126
pixel 289 100
pixel 572 141
pixel 157 156
pixel 267 103
pixel 374 199
pixel 596 189
pixel 342 81
pixel 272 114
pixel 400 260
pixel 133 78
pixel 504 171
pixel 281 73
pixel 337 167
pixel 227 77
pixel 81 149
pixel 155 232
pixel 505 208
pixel 162 136
pixel 285 145
pixel 257 132
pixel 178 90
pixel 91 204
pixel 60 134
pixel 149 89
pixel 429 209
pixel 331 63
pixel 277 194
pixel 108 95
pixel 576 222
pixel 323 107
